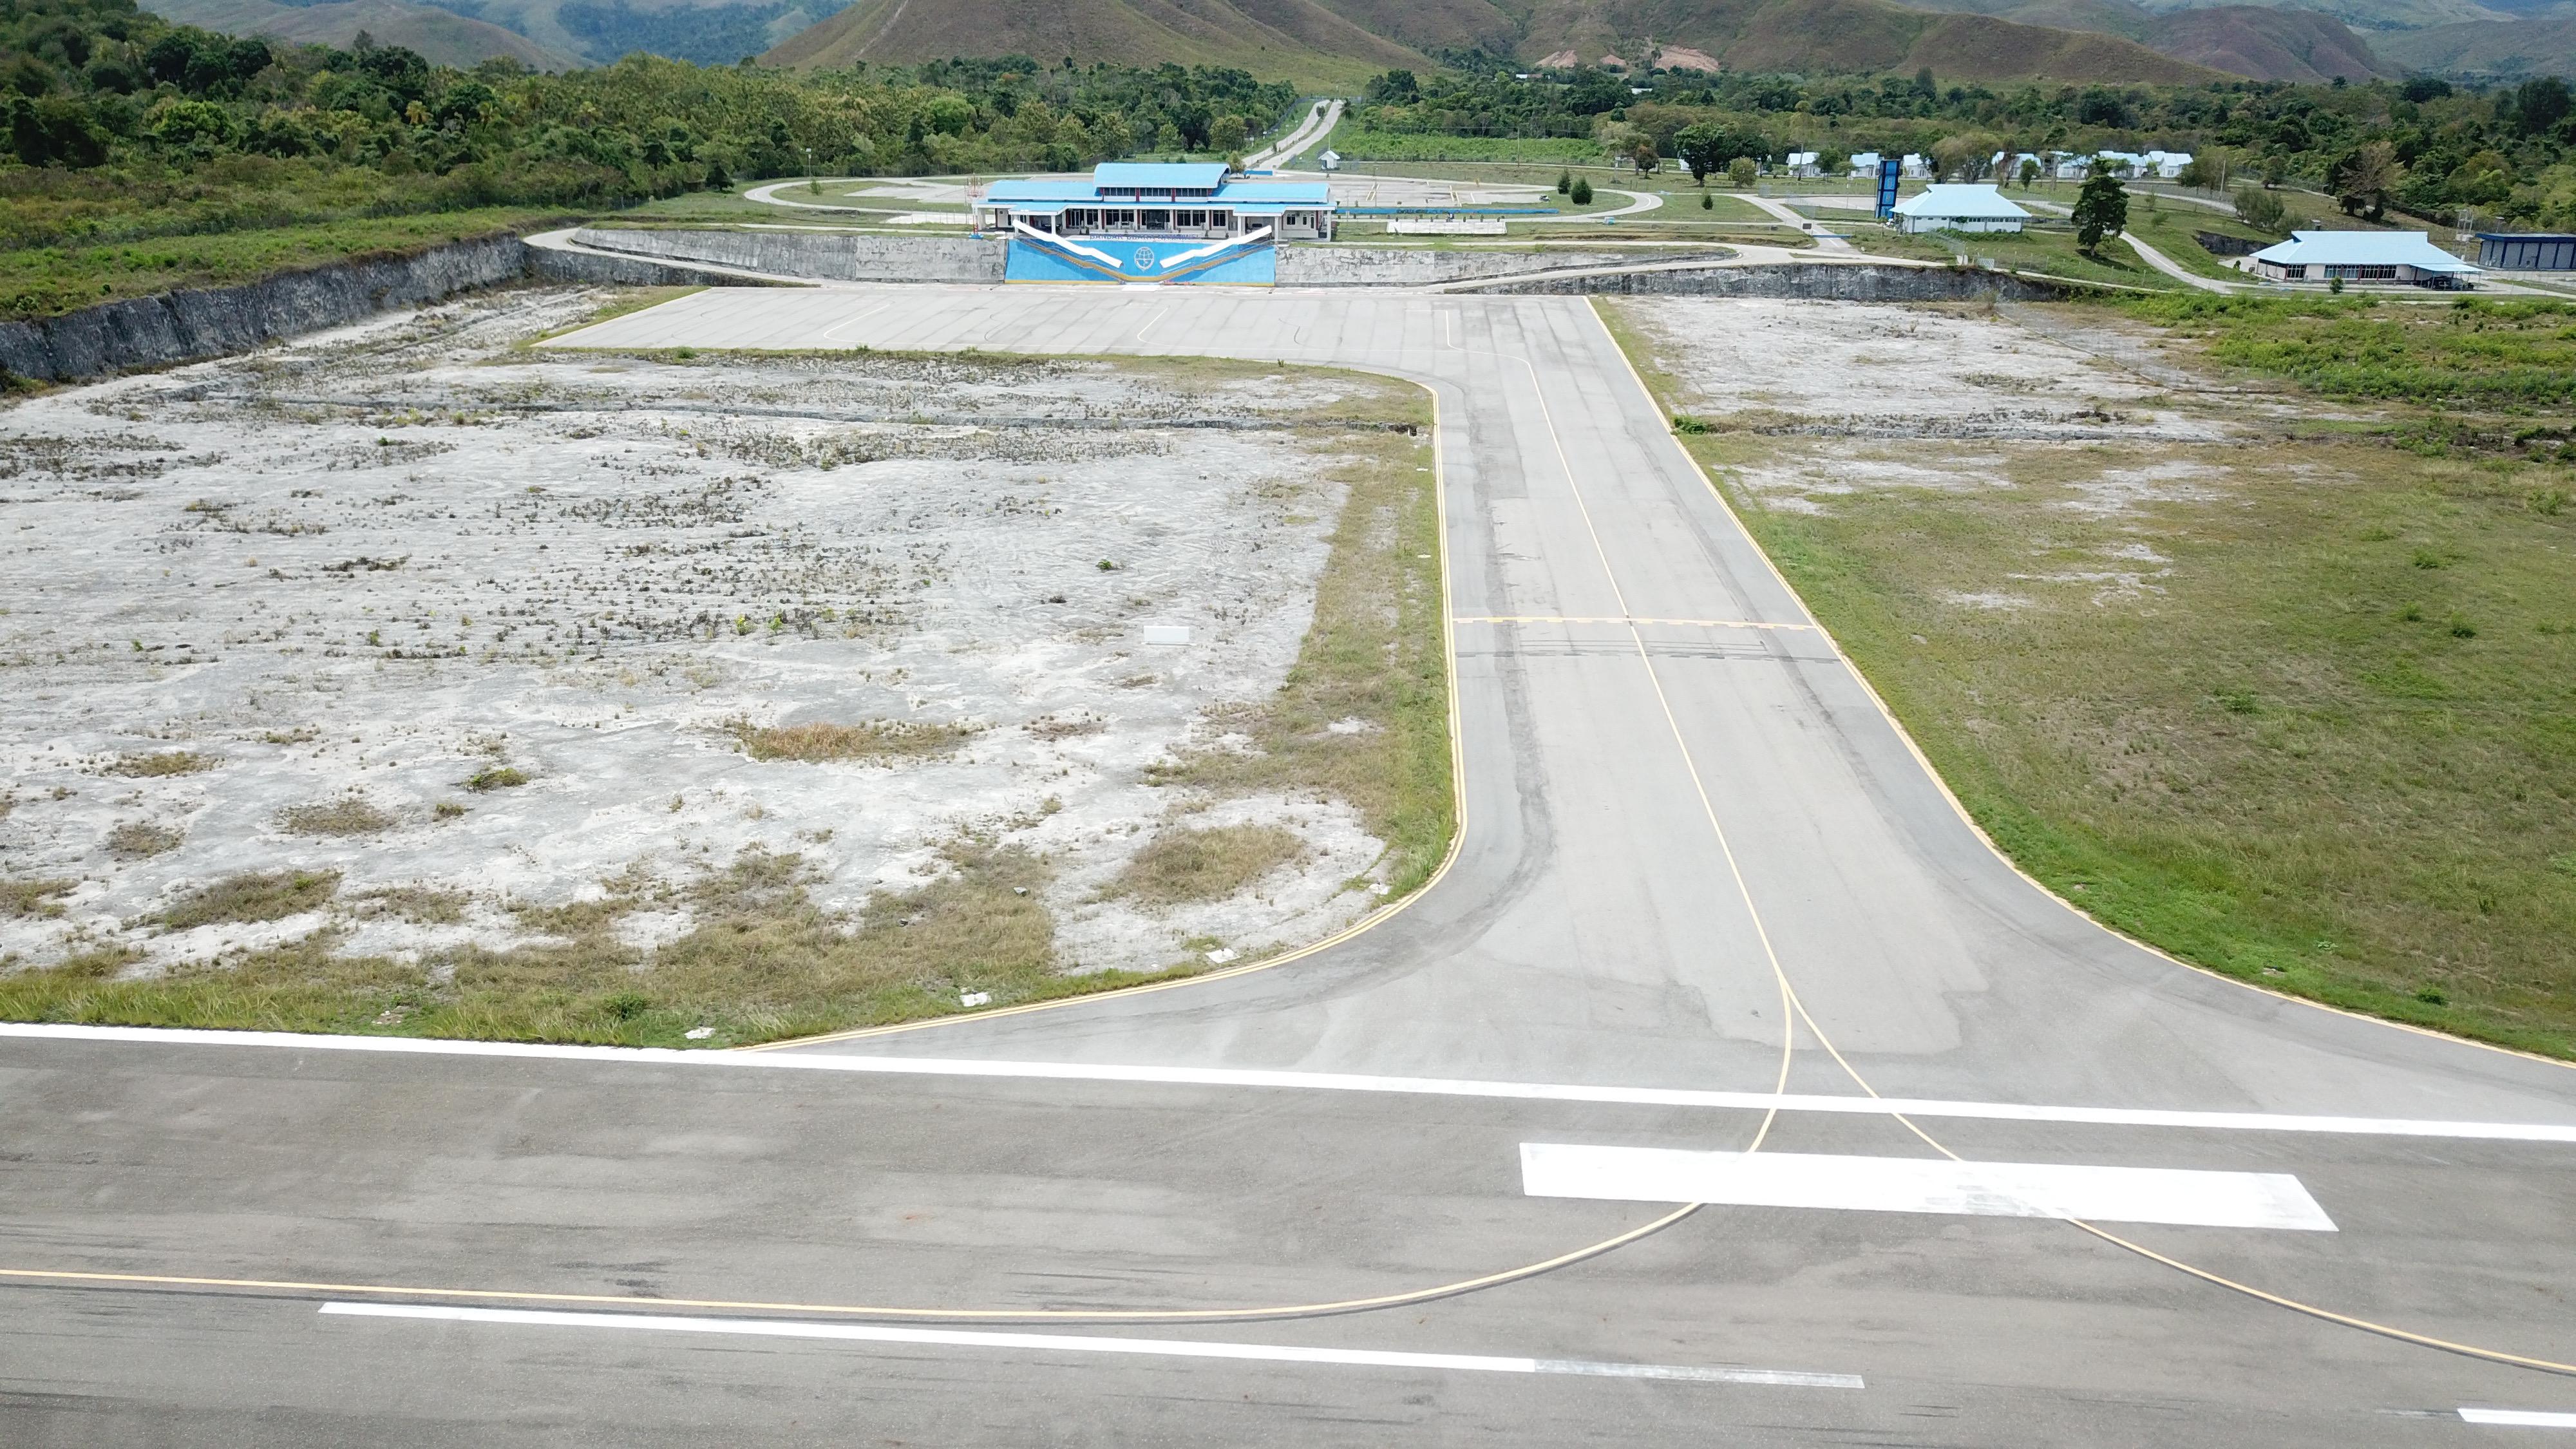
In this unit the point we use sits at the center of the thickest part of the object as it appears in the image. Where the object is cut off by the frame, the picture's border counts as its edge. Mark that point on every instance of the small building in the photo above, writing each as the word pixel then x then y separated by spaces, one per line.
pixel 2166 164
pixel 2527 251
pixel 2116 163
pixel 1153 222
pixel 1915 166
pixel 2362 256
pixel 1802 164
pixel 1864 165
pixel 2007 165
pixel 1959 207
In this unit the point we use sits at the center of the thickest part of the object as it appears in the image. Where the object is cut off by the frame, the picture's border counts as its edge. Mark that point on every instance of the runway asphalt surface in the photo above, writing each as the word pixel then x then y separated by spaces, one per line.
pixel 1692 840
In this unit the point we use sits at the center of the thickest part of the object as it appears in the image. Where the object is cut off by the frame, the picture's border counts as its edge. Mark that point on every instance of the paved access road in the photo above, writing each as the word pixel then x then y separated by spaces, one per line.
pixel 1693 841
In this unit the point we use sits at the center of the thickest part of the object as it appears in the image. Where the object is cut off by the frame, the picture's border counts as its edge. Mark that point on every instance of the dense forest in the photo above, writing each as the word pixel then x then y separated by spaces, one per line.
pixel 2421 145
pixel 122 125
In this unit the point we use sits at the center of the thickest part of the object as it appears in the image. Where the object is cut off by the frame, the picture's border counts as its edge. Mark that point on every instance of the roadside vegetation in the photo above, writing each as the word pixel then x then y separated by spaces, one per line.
pixel 2304 714
pixel 1364 715
pixel 2382 151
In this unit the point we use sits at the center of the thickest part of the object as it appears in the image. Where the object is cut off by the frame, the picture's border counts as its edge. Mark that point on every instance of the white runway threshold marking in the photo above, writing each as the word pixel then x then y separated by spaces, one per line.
pixel 1264 1078
pixel 1086 1343
pixel 2519 1418
pixel 1923 1185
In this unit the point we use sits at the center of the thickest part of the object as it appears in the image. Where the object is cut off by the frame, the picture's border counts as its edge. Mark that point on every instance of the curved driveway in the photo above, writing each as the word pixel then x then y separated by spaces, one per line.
pixel 1682 807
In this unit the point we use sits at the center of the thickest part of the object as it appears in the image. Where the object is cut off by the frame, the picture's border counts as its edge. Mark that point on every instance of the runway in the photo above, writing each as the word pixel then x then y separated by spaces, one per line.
pixel 1701 868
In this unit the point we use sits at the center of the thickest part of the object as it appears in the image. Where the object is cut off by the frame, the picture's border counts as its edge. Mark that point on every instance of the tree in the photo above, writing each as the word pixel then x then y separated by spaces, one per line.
pixel 1581 195
pixel 1564 182
pixel 2101 209
pixel 1227 133
pixel 2261 210
pixel 1643 153
pixel 2029 172
pixel 1696 147
pixel 1741 171
pixel 1965 157
pixel 2364 177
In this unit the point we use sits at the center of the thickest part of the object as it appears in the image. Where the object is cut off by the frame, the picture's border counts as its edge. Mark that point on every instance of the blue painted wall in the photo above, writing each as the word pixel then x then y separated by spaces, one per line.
pixel 1138 261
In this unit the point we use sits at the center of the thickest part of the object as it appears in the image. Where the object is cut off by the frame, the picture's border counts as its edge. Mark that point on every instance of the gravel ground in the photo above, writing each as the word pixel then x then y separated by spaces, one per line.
pixel 1907 396
pixel 380 563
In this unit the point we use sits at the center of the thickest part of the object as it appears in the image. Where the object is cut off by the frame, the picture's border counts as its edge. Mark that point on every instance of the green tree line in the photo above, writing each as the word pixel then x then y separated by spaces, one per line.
pixel 2422 145
pixel 122 126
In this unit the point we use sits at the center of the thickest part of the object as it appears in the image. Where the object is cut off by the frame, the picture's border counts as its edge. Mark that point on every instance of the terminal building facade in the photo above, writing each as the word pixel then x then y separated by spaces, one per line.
pixel 1153 222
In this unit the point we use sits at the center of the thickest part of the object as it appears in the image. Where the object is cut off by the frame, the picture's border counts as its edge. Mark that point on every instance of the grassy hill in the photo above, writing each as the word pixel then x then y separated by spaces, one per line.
pixel 2255 41
pixel 444 37
pixel 2542 44
pixel 2375 14
pixel 1852 35
pixel 2268 44
pixel 1298 40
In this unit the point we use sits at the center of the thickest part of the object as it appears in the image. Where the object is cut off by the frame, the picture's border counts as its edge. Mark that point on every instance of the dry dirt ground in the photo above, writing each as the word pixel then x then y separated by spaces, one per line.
pixel 485 628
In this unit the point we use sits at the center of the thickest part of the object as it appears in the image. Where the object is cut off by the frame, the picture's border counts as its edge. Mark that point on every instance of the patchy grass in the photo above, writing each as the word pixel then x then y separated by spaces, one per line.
pixel 1190 863
pixel 139 839
pixel 254 896
pixel 2500 355
pixel 760 958
pixel 499 777
pixel 763 962
pixel 1374 655
pixel 419 904
pixel 165 762
pixel 348 815
pixel 21 898
pixel 2250 727
pixel 867 740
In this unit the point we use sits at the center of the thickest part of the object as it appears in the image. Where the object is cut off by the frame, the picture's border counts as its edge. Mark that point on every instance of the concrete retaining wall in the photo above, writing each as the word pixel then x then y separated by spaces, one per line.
pixel 1813 281
pixel 192 325
pixel 184 326
pixel 1345 266
pixel 849 257
pixel 552 264
pixel 830 256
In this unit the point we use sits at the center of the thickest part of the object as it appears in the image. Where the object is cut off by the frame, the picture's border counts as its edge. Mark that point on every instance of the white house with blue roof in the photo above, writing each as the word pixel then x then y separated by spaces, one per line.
pixel 1137 221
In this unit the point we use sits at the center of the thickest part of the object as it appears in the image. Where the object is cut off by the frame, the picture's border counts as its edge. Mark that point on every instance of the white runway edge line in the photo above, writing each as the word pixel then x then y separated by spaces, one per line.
pixel 2519 1418
pixel 2189 1197
pixel 1086 1343
pixel 812 1061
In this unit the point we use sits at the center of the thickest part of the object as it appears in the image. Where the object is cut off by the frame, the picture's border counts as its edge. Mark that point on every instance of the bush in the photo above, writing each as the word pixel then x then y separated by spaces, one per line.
pixel 2261 210
pixel 1581 195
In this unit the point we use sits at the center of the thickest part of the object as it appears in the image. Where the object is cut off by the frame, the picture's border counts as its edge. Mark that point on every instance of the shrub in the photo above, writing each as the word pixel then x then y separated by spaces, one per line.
pixel 500 777
pixel 866 740
pixel 1209 864
pixel 254 896
pixel 350 815
pixel 136 839
pixel 167 762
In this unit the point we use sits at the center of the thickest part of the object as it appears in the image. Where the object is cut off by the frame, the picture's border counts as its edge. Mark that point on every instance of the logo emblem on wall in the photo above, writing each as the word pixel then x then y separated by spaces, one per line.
pixel 1144 259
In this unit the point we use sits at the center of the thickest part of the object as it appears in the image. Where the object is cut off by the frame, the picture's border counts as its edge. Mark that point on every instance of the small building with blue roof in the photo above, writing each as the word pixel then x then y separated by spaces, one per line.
pixel 1139 221
pixel 2363 256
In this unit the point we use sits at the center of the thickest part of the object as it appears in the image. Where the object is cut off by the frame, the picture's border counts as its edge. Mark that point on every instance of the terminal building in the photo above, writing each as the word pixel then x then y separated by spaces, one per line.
pixel 1153 222
pixel 2363 256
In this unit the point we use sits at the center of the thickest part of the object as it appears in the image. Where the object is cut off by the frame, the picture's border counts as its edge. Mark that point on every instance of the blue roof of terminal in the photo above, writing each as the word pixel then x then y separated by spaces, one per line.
pixel 1037 193
pixel 2363 248
pixel 1159 175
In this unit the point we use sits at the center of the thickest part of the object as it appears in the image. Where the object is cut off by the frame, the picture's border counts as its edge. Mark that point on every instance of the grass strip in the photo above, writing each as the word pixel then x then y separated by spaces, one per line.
pixel 2310 723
